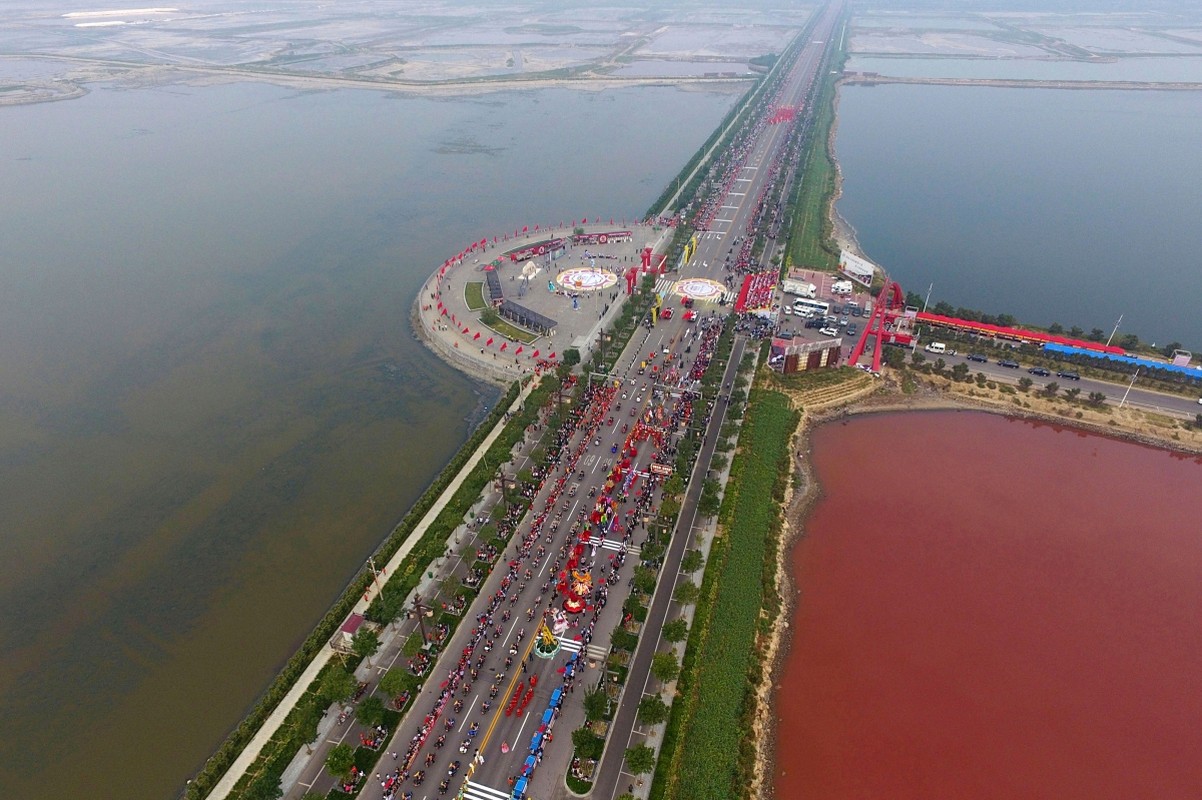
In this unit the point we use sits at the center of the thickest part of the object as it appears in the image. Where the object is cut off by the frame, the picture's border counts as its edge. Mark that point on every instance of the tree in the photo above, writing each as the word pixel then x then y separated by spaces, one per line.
pixel 639 759
pixel 1097 399
pixel 917 358
pixel 337 684
pixel 394 682
pixel 686 593
pixel 587 743
pixel 709 503
pixel 1051 389
pixel 1056 327
pixel 1076 332
pixel 390 606
pixel 1129 341
pixel 1025 383
pixel 571 357
pixel 1072 393
pixel 644 579
pixel 596 705
pixel 308 717
pixel 370 712
pixel 665 667
pixel 1096 335
pixel 365 643
pixel 1167 350
pixel 960 371
pixel 943 308
pixel 939 366
pixel 675 631
pixel 652 710
pixel 692 561
pixel 489 316
pixel 340 759
pixel 895 357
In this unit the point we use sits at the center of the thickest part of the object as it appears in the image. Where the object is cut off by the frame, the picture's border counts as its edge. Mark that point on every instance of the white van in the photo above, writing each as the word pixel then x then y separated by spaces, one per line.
pixel 936 347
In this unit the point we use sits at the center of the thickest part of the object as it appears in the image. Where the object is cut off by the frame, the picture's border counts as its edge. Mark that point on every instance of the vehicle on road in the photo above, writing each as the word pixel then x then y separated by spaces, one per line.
pixel 1068 374
pixel 666 314
pixel 1040 371
pixel 799 288
pixel 815 305
pixel 936 347
pixel 1008 364
pixel 978 357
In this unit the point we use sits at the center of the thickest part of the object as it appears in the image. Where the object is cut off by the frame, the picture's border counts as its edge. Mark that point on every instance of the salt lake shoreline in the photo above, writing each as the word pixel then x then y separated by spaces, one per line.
pixel 806 490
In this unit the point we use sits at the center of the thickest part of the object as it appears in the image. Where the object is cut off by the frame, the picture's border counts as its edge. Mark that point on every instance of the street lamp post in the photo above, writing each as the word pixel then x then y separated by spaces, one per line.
pixel 1133 377
pixel 420 609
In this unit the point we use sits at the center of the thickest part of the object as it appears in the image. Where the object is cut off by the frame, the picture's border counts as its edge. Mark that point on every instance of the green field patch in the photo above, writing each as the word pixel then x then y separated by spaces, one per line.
pixel 473 295
pixel 513 332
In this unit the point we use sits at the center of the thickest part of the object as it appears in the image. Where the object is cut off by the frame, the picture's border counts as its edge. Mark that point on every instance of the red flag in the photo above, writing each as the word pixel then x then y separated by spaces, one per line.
pixel 477 336
pixel 489 342
pixel 518 351
pixel 444 312
pixel 551 357
pixel 536 227
pixel 535 354
pixel 526 228
pixel 504 345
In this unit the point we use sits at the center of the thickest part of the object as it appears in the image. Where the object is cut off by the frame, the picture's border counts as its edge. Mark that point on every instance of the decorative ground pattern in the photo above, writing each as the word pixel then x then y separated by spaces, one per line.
pixel 586 279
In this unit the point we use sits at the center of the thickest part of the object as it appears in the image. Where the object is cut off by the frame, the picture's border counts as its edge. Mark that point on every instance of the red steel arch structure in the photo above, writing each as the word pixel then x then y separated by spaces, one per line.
pixel 888 322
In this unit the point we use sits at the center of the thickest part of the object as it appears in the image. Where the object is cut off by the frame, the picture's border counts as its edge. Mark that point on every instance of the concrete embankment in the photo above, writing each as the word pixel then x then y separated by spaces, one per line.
pixel 1017 83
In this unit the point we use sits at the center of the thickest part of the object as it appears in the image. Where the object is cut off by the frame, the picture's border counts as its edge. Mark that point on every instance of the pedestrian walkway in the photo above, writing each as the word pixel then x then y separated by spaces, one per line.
pixel 478 791
pixel 593 651
pixel 617 544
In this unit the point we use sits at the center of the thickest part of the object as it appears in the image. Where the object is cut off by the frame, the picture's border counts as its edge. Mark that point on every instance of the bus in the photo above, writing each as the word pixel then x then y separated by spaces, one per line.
pixel 810 307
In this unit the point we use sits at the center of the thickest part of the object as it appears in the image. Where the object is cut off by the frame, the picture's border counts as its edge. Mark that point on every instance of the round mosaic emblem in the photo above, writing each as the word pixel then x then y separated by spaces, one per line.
pixel 586 279
pixel 699 289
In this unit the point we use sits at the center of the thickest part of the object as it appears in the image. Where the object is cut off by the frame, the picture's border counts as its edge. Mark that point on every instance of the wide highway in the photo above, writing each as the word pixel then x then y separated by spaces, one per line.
pixel 587 517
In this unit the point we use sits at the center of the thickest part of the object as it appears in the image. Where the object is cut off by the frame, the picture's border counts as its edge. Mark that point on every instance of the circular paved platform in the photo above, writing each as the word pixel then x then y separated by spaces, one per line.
pixel 699 289
pixel 586 279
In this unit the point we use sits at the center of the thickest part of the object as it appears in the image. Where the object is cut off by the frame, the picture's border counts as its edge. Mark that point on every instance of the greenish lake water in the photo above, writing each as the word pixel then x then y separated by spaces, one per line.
pixel 212 406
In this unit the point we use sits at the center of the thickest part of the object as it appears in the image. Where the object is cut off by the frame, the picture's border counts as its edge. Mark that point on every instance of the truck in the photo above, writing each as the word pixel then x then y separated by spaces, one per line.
pixel 842 287
pixel 799 288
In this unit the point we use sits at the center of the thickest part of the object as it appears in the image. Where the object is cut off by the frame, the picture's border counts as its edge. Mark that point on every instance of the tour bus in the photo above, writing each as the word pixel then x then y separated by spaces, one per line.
pixel 803 305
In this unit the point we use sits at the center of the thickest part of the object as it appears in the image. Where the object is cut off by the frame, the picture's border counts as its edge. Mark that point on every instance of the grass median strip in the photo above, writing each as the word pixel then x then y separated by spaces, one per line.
pixel 707 753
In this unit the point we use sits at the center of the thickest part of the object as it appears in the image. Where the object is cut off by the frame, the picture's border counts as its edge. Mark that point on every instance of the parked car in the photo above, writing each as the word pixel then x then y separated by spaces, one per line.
pixel 851 330
pixel 1040 371
pixel 1072 376
pixel 978 357
pixel 829 332
pixel 813 323
pixel 1008 364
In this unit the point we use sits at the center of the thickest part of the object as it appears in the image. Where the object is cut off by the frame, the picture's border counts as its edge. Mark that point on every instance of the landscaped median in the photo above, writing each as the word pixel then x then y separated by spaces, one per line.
pixel 706 752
